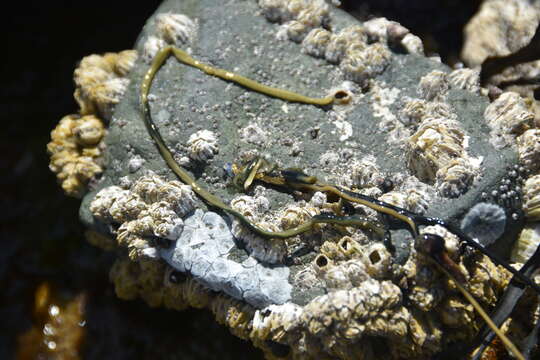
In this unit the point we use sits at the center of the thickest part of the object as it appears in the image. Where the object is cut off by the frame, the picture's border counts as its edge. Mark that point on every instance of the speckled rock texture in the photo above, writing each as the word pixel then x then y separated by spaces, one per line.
pixel 333 291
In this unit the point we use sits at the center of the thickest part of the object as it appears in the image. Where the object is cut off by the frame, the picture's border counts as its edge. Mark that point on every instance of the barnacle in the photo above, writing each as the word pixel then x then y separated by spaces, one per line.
pixel 437 152
pixel 258 247
pixel 101 81
pixel 171 29
pixel 299 16
pixel 508 116
pixel 526 244
pixel 466 79
pixel 528 145
pixel 152 207
pixel 253 134
pixel 316 41
pixel 349 38
pixel 75 152
pixel 361 64
pixel 434 85
pixel 202 145
pixel 384 30
pixel 413 44
pixel 365 173
pixel 531 198
pixel 414 111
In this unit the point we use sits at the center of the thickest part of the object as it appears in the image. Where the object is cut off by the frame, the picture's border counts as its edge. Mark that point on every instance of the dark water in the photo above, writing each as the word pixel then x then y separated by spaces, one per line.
pixel 40 235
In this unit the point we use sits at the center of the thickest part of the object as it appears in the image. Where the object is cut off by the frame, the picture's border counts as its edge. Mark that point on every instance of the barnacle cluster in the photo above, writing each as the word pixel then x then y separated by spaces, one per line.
pixel 75 151
pixel 306 21
pixel 363 302
pixel 171 29
pixel 298 16
pixel 101 81
pixel 508 116
pixel 437 154
pixel 151 208
pixel 257 209
pixel 75 146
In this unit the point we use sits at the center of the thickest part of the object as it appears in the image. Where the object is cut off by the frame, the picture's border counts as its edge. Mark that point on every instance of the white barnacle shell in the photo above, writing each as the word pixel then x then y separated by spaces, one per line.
pixel 412 112
pixel 526 244
pixel 319 199
pixel 151 207
pixel 531 198
pixel 103 201
pixel 171 29
pixel 508 116
pixel 298 16
pixel 177 29
pixel 434 145
pixel 179 197
pixel 251 206
pixel 166 223
pixel 484 222
pixel 294 215
pixel 529 149
pixel 359 65
pixel 413 44
pixel 466 79
pixel 127 207
pixel 202 145
pixel 275 10
pixel 418 195
pixel 434 85
pixel 253 134
pixel 366 173
pixel 351 37
pixel 396 198
pixel 151 47
pixel 101 81
pixel 383 30
pixel 147 187
pixel 377 260
pixel 346 275
pixel 456 177
pixel 316 41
